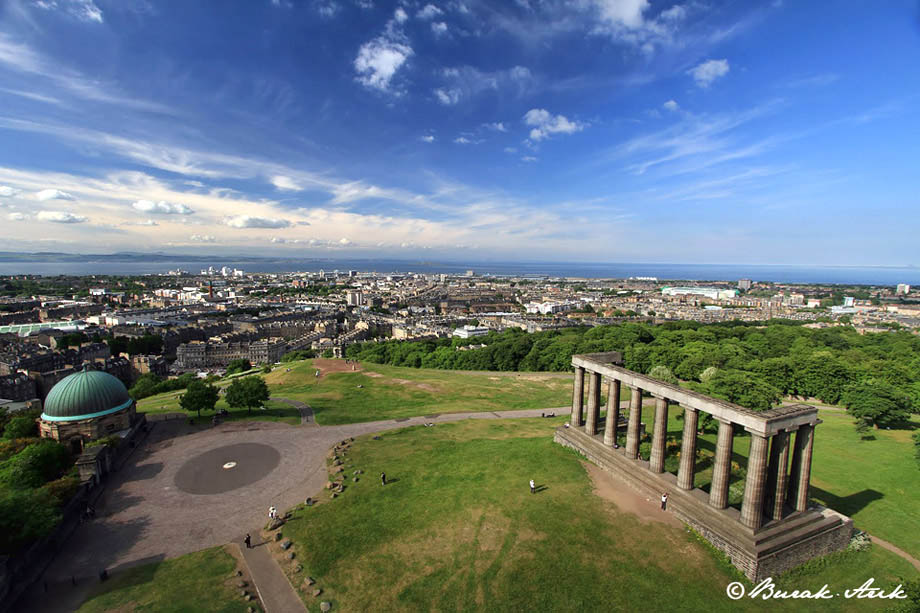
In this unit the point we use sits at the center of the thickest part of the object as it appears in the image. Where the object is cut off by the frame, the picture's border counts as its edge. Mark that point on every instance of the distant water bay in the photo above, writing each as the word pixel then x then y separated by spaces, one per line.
pixel 137 265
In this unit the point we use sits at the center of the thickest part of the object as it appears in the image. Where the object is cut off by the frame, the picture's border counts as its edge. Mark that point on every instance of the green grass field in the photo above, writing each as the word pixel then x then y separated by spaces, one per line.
pixel 169 403
pixel 388 392
pixel 457 529
pixel 200 581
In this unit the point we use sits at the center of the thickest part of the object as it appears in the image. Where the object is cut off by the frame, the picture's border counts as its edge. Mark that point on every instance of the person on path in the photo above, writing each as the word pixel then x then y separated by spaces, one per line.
pixel 664 501
pixel 272 512
pixel 533 487
pixel 248 541
pixel 383 478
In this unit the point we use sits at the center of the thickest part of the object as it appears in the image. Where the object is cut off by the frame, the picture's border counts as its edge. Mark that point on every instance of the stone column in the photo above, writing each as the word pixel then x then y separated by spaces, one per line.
pixel 718 491
pixel 656 460
pixel 635 416
pixel 613 413
pixel 752 505
pixel 594 402
pixel 804 441
pixel 792 488
pixel 776 483
pixel 578 396
pixel 688 450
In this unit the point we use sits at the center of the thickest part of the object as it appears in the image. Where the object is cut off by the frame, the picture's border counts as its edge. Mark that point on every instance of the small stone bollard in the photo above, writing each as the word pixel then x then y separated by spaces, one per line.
pixel 241 583
pixel 310 580
pixel 325 606
pixel 308 502
pixel 243 593
pixel 317 592
pixel 355 479
pixel 239 573
pixel 291 555
pixel 286 544
pixel 278 536
pixel 298 568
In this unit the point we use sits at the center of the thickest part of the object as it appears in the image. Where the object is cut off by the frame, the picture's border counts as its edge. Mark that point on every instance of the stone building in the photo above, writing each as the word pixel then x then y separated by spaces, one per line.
pixel 84 406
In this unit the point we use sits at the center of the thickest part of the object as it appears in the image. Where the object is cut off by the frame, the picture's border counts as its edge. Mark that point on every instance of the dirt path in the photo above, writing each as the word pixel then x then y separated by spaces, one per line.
pixel 628 500
pixel 328 366
pixel 895 550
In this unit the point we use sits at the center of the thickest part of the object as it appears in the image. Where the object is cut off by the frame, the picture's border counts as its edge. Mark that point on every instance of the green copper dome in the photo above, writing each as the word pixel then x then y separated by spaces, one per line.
pixel 86 394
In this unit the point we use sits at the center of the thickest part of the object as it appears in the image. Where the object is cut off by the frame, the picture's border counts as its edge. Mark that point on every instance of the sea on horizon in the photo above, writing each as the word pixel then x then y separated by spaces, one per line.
pixel 845 275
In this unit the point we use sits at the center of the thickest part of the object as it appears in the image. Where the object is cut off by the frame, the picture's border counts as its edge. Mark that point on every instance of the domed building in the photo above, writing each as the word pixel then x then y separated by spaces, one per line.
pixel 84 406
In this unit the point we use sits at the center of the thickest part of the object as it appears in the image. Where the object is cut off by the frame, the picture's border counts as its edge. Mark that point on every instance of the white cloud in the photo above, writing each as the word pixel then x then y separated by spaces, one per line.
pixel 286 184
pixel 328 9
pixel 53 194
pixel 671 105
pixel 447 97
pixel 709 71
pixel 17 217
pixel 430 11
pixel 60 217
pixel 545 124
pixel 8 192
pixel 400 15
pixel 248 221
pixel 439 28
pixel 510 149
pixel 428 138
pixel 675 13
pixel 528 158
pixel 202 238
pixel 497 126
pixel 147 222
pixel 344 242
pixel 462 140
pixel 626 13
pixel 379 59
pixel 161 208
pixel 84 10
pixel 467 81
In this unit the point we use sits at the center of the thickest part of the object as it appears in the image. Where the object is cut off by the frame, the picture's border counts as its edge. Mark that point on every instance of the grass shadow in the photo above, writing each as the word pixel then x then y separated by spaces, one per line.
pixel 847 505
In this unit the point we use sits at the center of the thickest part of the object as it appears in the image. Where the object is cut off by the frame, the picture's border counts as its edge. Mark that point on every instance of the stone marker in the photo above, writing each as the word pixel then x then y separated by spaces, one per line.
pixel 317 592
pixel 275 523
pixel 325 606
pixel 278 535
pixel 291 555
pixel 286 544
pixel 309 580
pixel 242 584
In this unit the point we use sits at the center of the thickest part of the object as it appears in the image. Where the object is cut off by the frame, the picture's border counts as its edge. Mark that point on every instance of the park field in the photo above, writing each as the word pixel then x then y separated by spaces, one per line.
pixel 379 392
pixel 200 581
pixel 457 529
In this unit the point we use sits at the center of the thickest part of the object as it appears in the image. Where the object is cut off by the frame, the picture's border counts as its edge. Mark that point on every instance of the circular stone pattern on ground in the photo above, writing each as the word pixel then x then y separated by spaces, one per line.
pixel 205 473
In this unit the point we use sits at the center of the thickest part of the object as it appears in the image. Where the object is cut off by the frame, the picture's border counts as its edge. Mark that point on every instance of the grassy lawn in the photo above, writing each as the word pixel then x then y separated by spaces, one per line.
pixel 388 392
pixel 200 581
pixel 457 529
pixel 169 403
pixel 873 481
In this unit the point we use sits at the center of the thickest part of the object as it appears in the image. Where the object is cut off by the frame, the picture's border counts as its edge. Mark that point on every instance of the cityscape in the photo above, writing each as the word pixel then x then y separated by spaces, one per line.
pixel 398 305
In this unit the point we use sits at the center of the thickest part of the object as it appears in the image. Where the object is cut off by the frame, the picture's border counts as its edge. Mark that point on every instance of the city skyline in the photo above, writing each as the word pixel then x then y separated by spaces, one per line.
pixel 599 130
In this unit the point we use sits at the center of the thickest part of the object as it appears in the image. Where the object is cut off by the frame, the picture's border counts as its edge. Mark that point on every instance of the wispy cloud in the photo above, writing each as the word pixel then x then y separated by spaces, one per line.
pixel 379 59
pixel 545 124
pixel 707 72
pixel 60 217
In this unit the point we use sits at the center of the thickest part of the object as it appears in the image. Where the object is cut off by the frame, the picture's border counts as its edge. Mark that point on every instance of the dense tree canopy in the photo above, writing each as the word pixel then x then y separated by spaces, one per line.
pixel 753 363
pixel 248 393
pixel 238 365
pixel 199 396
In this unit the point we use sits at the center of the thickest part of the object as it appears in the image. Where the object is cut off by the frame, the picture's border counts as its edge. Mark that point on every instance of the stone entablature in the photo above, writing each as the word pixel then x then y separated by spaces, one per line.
pixel 775 519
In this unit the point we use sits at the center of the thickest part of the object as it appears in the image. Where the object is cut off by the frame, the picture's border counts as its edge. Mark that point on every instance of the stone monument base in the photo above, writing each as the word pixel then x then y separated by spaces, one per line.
pixel 775 547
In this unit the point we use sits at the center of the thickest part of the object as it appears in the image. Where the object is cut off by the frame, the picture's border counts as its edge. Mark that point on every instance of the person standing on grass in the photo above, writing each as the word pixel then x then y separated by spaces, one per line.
pixel 248 541
pixel 664 501
pixel 533 487
pixel 383 478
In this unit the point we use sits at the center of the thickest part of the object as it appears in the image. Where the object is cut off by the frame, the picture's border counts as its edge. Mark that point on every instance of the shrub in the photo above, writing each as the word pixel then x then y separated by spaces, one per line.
pixel 35 465
pixel 63 489
pixel 25 516
pixel 20 427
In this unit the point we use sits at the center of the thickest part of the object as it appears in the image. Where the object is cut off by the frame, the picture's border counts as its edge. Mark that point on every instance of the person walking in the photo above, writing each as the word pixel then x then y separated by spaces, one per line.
pixel 664 501
pixel 533 487
pixel 272 512
pixel 383 478
pixel 248 541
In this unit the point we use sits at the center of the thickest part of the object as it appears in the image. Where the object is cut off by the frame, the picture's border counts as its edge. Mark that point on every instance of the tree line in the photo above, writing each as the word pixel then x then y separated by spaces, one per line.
pixel 754 364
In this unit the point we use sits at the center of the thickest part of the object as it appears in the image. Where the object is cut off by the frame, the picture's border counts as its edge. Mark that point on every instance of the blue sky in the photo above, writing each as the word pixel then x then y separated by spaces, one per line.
pixel 579 130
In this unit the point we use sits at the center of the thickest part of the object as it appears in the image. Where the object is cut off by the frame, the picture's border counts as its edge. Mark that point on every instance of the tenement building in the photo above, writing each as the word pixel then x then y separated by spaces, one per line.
pixel 775 528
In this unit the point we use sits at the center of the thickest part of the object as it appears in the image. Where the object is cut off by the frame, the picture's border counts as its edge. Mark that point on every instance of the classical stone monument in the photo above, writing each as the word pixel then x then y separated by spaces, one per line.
pixel 776 528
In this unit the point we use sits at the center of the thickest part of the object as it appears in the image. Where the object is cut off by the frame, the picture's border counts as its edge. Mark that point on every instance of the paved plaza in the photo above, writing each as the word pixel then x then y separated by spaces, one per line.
pixel 174 495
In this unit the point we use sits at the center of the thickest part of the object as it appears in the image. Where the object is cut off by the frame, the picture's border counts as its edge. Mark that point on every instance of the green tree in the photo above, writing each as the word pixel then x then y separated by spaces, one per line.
pixel 247 392
pixel 663 373
pixel 743 388
pixel 876 404
pixel 199 396
pixel 238 365
pixel 327 353
pixel 20 427
pixel 25 517
pixel 35 465
pixel 917 447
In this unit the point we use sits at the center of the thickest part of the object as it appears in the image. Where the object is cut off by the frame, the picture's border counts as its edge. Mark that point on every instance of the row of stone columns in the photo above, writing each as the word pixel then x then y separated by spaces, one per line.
pixel 768 485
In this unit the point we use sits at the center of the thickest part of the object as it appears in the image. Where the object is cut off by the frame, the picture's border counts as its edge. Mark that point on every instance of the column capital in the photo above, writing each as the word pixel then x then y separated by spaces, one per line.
pixel 760 433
